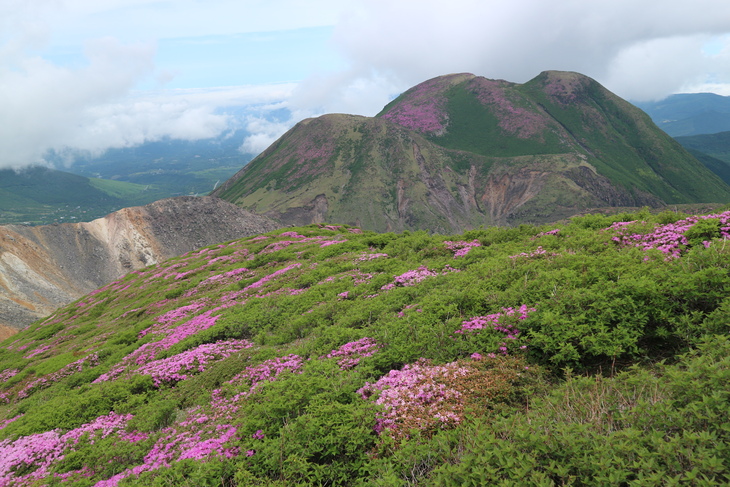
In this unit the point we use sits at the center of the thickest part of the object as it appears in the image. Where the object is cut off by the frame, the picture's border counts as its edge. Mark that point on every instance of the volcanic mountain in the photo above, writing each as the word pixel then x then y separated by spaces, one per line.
pixel 459 151
pixel 44 267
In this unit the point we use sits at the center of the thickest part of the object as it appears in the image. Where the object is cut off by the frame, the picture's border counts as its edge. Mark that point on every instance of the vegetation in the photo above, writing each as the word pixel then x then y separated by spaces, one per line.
pixel 594 352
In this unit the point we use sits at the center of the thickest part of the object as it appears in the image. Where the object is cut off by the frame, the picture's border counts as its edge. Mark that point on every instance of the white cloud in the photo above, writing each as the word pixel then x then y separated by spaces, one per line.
pixel 645 49
pixel 46 106
pixel 640 50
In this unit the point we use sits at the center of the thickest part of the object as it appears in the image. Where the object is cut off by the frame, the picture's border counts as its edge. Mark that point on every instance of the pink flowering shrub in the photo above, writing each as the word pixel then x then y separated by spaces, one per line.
pixel 366 257
pixel 673 238
pixel 417 397
pixel 537 253
pixel 414 277
pixel 421 109
pixel 180 366
pixel 514 119
pixel 146 353
pixel 351 353
pixel 266 371
pixel 28 460
pixel 70 369
pixel 499 322
pixel 461 248
pixel 6 375
pixel 428 397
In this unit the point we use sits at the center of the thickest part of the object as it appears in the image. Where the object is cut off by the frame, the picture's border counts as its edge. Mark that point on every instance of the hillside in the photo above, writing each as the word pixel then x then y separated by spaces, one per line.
pixel 460 151
pixel 715 145
pixel 688 114
pixel 47 266
pixel 40 195
pixel 590 353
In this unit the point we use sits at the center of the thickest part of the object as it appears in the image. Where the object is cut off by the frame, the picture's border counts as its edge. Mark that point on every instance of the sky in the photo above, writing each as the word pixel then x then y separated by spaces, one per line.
pixel 78 77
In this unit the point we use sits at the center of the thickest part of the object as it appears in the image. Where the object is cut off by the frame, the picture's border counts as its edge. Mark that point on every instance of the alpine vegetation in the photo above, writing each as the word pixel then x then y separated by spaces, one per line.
pixel 592 352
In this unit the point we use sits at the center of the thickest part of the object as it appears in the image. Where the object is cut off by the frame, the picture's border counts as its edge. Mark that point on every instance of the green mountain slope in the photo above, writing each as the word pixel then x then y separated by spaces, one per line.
pixel 325 355
pixel 41 195
pixel 715 145
pixel 461 151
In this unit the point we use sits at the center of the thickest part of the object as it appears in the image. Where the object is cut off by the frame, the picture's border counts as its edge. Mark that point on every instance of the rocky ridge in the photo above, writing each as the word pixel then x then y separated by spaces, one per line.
pixel 44 267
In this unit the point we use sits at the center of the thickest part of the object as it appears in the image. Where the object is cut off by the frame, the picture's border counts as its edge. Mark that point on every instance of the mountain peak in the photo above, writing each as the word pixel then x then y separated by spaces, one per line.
pixel 460 150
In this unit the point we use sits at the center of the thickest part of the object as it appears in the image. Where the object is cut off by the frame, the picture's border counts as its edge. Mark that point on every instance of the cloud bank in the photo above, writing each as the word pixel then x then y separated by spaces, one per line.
pixel 640 50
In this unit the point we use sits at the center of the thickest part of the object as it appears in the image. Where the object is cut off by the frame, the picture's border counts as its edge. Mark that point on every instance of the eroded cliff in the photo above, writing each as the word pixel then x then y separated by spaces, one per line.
pixel 44 267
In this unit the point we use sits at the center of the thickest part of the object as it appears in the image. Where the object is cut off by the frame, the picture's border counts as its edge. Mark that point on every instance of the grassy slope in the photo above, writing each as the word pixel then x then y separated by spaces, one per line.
pixel 628 148
pixel 287 300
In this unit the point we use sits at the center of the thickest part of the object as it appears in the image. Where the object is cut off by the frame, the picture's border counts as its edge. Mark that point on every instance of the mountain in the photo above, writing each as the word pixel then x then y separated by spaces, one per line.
pixel 690 113
pixel 594 352
pixel 41 195
pixel 44 267
pixel 173 167
pixel 460 151
pixel 715 145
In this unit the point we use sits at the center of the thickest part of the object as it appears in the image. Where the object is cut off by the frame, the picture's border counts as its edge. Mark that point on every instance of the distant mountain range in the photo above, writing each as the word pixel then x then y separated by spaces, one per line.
pixel 40 195
pixel 460 151
pixel 175 167
pixel 690 113
pixel 94 187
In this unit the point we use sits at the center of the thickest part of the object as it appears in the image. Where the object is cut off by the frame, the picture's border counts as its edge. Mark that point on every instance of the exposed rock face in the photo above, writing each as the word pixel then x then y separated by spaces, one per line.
pixel 44 267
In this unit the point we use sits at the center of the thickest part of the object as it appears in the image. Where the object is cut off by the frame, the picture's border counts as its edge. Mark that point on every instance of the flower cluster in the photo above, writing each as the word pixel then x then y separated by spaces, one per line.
pixel 496 322
pixel 351 353
pixel 267 371
pixel 146 353
pixel 178 367
pixel 38 452
pixel 38 351
pixel 366 257
pixel 513 119
pixel 6 422
pixel 199 436
pixel 461 248
pixel 417 397
pixel 556 231
pixel 538 252
pixel 671 239
pixel 232 296
pixel 70 369
pixel 421 109
pixel 411 278
pixel 5 375
pixel 166 321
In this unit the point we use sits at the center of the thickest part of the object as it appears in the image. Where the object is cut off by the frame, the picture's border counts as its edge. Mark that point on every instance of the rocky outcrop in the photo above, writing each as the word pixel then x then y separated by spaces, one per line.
pixel 44 267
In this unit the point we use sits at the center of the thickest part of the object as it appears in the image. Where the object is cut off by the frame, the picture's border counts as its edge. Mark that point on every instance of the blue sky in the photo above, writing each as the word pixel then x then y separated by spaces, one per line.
pixel 81 76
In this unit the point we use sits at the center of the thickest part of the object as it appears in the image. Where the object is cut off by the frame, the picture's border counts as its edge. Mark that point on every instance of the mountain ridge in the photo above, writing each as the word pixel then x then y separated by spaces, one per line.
pixel 459 151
